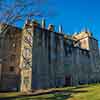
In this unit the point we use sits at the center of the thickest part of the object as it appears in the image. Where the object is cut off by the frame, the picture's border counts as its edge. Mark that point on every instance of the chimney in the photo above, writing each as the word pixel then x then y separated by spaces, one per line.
pixel 27 23
pixel 60 28
pixel 35 23
pixel 43 23
pixel 51 27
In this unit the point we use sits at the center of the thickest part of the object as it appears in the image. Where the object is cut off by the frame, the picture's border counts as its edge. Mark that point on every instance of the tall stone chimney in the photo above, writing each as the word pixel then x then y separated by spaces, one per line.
pixel 43 23
pixel 27 23
pixel 51 27
pixel 35 23
pixel 60 29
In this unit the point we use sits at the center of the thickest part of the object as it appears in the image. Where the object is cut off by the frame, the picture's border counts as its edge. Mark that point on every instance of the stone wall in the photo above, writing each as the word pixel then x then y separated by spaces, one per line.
pixel 10 59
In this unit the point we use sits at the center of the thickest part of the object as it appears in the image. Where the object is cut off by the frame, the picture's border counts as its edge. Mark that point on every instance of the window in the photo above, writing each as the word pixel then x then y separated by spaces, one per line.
pixel 69 42
pixel 13 58
pixel 66 52
pixel 13 45
pixel 88 55
pixel 11 69
pixel 83 52
pixel 0 43
pixel 26 80
pixel 26 52
pixel 70 50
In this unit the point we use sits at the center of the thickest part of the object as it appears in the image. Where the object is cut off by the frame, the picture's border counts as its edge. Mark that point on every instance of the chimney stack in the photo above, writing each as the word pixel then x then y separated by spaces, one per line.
pixel 35 23
pixel 27 23
pixel 51 27
pixel 43 23
pixel 60 28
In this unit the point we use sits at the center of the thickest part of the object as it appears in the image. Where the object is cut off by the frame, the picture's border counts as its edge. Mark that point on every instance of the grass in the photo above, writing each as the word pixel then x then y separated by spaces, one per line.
pixel 83 92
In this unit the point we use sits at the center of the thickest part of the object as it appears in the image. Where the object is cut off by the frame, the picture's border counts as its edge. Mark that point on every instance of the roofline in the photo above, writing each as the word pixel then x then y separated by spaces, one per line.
pixel 11 26
pixel 86 37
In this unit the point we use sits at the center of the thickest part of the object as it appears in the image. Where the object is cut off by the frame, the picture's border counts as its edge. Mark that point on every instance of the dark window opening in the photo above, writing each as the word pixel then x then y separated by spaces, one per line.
pixel 70 50
pixel 67 80
pixel 66 53
pixel 13 57
pixel 11 69
pixel 83 52
pixel 46 36
pixel 49 48
pixel 65 49
pixel 88 54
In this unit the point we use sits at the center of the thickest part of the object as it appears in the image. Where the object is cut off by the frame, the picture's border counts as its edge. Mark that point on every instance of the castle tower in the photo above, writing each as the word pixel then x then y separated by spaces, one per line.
pixel 83 39
pixel 26 57
pixel 87 41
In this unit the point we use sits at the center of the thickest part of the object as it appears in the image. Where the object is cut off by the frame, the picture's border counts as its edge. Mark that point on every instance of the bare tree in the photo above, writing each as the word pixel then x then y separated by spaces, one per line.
pixel 13 11
pixel 17 11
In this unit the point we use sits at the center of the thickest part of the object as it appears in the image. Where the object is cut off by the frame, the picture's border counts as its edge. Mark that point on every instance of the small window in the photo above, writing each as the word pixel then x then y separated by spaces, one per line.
pixel 70 50
pixel 11 69
pixel 26 80
pixel 1 42
pixel 13 58
pixel 66 52
pixel 83 52
pixel 88 55
pixel 14 45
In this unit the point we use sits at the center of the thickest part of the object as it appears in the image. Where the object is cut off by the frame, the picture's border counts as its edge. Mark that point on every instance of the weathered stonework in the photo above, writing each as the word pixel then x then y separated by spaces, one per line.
pixel 46 59
pixel 10 50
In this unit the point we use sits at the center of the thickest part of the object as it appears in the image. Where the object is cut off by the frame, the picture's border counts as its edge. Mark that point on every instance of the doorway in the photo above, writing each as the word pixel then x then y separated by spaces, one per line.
pixel 67 80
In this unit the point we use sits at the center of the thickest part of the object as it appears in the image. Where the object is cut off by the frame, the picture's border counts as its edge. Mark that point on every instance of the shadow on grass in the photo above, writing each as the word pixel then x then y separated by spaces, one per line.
pixel 80 86
pixel 42 97
pixel 57 96
pixel 52 95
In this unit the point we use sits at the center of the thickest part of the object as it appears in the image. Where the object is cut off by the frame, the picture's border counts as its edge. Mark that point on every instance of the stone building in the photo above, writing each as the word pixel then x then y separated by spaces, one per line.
pixel 35 57
pixel 10 48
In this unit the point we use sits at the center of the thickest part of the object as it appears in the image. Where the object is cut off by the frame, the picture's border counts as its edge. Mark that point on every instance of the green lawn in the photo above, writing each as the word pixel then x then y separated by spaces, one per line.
pixel 83 92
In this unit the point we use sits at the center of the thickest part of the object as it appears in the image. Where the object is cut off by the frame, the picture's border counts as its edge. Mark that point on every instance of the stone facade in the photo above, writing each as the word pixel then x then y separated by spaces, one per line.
pixel 10 48
pixel 47 59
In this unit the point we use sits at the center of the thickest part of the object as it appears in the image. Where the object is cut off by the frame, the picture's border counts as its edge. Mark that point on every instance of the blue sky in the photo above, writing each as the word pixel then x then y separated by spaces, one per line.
pixel 75 15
